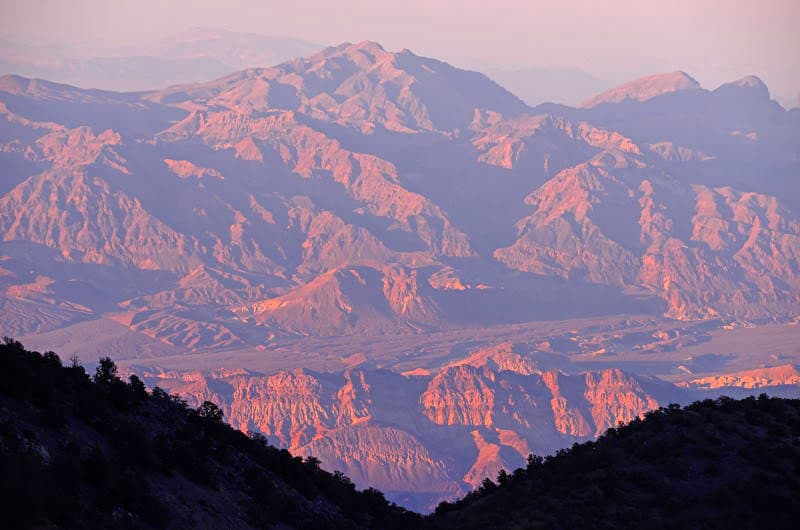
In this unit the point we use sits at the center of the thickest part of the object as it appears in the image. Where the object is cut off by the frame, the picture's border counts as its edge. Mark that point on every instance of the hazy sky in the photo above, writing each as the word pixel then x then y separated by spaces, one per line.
pixel 714 40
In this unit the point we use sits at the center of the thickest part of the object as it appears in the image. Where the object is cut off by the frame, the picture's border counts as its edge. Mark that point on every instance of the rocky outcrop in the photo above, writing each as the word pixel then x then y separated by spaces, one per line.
pixel 347 300
pixel 786 374
pixel 561 238
pixel 432 436
pixel 704 251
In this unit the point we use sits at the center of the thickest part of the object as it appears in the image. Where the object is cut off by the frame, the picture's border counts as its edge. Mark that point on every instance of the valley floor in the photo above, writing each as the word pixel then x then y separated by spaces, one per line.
pixel 641 344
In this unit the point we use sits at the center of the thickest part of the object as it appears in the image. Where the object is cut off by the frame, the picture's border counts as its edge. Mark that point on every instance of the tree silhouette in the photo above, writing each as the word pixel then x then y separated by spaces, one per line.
pixel 487 485
pixel 210 411
pixel 106 372
pixel 534 461
pixel 313 461
pixel 137 387
pixel 503 477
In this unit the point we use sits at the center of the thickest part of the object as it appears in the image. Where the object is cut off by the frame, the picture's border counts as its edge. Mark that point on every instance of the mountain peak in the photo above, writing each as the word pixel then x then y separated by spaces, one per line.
pixel 646 88
pixel 368 45
pixel 347 48
pixel 363 86
pixel 750 84
pixel 13 83
pixel 749 81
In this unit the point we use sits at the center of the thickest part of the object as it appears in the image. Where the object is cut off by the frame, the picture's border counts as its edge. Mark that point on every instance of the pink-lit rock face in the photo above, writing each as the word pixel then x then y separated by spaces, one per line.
pixel 185 169
pixel 383 429
pixel 429 435
pixel 787 374
pixel 646 88
pixel 573 232
pixel 349 299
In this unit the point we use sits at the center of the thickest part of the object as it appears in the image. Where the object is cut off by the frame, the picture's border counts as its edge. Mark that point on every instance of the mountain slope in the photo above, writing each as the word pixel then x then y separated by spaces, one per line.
pixel 645 88
pixel 735 245
pixel 349 300
pixel 78 453
pixel 358 85
pixel 713 464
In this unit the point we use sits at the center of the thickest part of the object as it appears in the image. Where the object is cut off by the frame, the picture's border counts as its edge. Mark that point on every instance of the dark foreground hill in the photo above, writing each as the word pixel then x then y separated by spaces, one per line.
pixel 81 452
pixel 77 452
pixel 713 464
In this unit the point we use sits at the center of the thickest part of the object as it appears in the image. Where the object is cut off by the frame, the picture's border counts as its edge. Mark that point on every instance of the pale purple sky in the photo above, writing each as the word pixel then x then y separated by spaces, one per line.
pixel 714 40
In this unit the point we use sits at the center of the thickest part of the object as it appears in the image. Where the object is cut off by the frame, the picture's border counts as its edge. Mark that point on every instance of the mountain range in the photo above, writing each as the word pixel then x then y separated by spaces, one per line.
pixel 384 189
pixel 197 54
pixel 203 53
pixel 462 276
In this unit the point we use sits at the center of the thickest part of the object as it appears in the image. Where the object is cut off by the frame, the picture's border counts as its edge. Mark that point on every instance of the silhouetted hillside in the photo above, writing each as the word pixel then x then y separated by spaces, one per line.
pixel 97 452
pixel 81 452
pixel 714 464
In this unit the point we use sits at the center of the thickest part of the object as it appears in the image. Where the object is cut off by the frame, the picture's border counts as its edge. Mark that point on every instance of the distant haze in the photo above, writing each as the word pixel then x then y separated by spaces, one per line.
pixel 714 40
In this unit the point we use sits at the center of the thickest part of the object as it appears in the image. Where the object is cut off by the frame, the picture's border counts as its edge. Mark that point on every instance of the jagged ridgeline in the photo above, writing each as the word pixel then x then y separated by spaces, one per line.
pixel 81 451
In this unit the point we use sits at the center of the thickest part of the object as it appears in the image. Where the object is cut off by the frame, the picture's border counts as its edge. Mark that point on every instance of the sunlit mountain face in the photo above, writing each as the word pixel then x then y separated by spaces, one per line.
pixel 398 266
